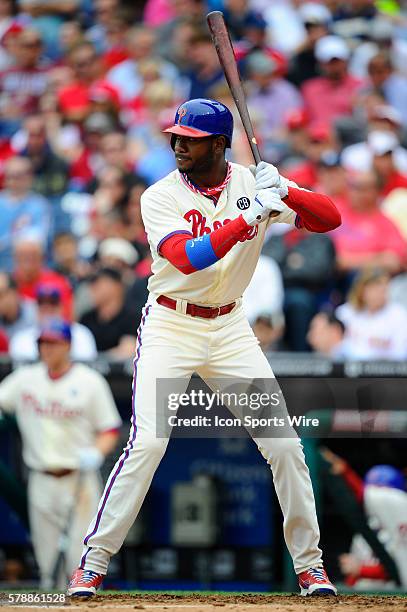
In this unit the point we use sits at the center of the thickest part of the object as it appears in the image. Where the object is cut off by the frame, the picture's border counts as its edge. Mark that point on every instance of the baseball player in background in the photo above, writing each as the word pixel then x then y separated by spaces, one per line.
pixel 383 496
pixel 205 224
pixel 68 423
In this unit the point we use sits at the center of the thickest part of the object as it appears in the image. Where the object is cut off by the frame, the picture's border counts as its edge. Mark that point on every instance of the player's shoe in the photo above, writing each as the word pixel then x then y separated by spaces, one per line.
pixel 316 582
pixel 84 583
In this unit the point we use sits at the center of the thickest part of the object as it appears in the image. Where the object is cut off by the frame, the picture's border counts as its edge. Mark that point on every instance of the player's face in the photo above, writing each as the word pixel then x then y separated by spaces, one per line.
pixel 54 353
pixel 194 154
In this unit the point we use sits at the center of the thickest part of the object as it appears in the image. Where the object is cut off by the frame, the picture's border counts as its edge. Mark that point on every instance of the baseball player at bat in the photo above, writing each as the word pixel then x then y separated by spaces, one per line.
pixel 68 422
pixel 206 223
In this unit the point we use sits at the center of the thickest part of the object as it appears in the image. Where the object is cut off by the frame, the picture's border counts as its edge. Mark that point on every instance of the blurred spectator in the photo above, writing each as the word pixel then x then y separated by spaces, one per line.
pixel 66 260
pixel 367 237
pixel 70 35
pixel 389 177
pixel 375 327
pixel 296 137
pixel 73 99
pixel 392 85
pixel 90 160
pixel 104 13
pixel 8 27
pixel 48 17
pixel 171 31
pixel 125 77
pixel 331 95
pixel 50 171
pixel 307 263
pixel 30 272
pixel 326 336
pixel 22 85
pixel 204 69
pixel 271 96
pixel 304 65
pixel 111 321
pixel 239 16
pixel 16 314
pixel 320 142
pixel 331 179
pixel 24 346
pixel 119 254
pixel 263 302
pixel 23 211
pixel 359 156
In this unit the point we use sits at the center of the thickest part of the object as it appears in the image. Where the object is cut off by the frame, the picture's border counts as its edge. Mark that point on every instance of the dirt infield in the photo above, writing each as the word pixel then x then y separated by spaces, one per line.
pixel 243 603
pixel 232 603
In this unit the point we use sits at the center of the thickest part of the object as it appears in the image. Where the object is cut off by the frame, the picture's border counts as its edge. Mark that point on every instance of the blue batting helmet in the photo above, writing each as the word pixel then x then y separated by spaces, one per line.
pixel 385 476
pixel 200 117
pixel 55 330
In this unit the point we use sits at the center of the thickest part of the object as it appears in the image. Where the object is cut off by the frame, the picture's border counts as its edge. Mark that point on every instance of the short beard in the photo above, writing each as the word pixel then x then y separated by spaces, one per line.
pixel 203 166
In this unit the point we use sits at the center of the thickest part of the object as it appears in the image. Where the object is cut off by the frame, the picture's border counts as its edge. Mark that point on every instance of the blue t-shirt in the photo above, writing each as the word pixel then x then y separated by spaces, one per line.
pixel 28 216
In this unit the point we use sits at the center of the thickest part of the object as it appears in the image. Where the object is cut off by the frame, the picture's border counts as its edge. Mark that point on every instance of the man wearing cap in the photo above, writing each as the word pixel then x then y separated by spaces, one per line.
pixel 68 423
pixel 331 95
pixel 205 224
pixel 23 346
pixel 304 64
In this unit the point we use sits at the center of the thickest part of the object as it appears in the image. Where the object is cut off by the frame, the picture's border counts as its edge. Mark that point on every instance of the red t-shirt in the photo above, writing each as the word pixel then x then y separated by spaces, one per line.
pixel 368 232
pixel 326 100
pixel 74 98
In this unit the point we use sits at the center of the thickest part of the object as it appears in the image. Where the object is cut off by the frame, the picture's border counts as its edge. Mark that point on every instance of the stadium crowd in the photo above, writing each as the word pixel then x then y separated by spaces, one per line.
pixel 86 87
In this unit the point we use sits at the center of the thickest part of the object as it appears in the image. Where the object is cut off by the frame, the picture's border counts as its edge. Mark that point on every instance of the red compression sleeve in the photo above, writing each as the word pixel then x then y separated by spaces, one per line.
pixel 316 212
pixel 376 572
pixel 222 240
pixel 354 482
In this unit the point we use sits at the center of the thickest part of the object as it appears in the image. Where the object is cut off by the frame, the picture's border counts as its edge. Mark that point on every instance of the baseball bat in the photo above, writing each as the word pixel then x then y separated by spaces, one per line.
pixel 227 59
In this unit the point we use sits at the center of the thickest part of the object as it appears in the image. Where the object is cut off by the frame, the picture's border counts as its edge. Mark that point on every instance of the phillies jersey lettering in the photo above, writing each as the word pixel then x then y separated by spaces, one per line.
pixel 58 417
pixel 169 207
pixel 199 227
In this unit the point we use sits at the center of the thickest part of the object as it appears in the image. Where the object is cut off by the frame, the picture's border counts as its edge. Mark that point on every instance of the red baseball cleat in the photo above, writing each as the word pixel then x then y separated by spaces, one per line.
pixel 84 583
pixel 316 582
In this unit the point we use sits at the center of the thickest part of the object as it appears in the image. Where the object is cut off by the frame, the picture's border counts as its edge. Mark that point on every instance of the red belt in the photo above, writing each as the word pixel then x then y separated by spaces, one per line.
pixel 206 312
pixel 58 473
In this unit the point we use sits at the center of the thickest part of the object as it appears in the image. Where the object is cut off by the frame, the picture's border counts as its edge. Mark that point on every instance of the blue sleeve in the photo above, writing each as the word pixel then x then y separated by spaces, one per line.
pixel 200 252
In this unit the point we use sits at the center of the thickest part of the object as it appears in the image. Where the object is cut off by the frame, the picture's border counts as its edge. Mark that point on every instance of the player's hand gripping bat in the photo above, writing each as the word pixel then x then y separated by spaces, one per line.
pixel 227 59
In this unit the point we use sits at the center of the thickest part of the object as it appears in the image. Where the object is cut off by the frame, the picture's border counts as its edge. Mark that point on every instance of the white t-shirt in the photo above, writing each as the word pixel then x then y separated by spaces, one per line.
pixel 58 417
pixel 377 335
pixel 170 206
pixel 23 346
pixel 265 294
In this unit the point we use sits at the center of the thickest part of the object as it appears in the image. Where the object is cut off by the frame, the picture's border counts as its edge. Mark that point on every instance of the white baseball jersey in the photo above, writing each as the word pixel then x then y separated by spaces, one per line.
pixel 170 206
pixel 388 508
pixel 58 417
